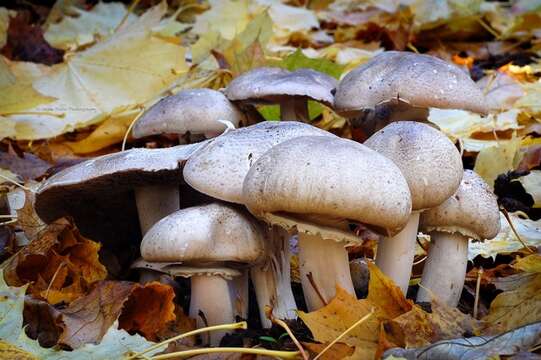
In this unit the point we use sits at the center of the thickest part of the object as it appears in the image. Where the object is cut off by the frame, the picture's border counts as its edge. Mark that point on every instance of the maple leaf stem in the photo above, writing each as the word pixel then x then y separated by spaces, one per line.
pixel 508 218
pixel 265 352
pixel 477 289
pixel 359 322
pixel 128 130
pixel 239 325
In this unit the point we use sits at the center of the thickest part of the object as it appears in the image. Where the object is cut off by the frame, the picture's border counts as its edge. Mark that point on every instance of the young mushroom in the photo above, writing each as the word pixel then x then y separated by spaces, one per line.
pixel 432 167
pixel 471 213
pixel 290 89
pixel 219 171
pixel 318 186
pixel 398 85
pixel 213 242
pixel 195 111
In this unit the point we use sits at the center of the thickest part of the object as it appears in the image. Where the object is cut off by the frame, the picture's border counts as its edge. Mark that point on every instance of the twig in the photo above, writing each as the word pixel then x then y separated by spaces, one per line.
pixel 239 325
pixel 477 289
pixel 128 130
pixel 265 352
pixel 16 183
pixel 508 218
pixel 268 311
pixel 130 10
pixel 316 289
pixel 361 320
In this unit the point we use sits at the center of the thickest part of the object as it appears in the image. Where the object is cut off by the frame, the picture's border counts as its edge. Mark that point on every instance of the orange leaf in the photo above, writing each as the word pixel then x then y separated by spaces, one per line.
pixel 385 294
pixel 337 352
pixel 149 309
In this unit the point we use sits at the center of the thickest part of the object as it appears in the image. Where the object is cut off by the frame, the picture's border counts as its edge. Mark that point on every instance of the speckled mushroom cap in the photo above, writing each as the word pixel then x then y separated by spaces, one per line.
pixel 471 211
pixel 428 160
pixel 211 234
pixel 269 84
pixel 196 111
pixel 323 180
pixel 219 169
pixel 98 191
pixel 419 80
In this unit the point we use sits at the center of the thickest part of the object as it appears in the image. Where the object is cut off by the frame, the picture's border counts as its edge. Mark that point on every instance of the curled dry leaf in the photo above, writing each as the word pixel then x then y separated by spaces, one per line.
pixel 59 264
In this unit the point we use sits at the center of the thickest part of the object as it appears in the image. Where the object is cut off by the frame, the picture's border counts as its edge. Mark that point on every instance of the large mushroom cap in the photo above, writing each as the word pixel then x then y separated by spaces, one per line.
pixel 219 169
pixel 419 80
pixel 267 84
pixel 328 177
pixel 214 233
pixel 428 160
pixel 97 192
pixel 471 211
pixel 197 111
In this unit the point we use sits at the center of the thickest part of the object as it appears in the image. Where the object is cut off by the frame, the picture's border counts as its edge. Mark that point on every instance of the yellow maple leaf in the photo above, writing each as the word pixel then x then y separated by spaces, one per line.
pixel 498 159
pixel 127 69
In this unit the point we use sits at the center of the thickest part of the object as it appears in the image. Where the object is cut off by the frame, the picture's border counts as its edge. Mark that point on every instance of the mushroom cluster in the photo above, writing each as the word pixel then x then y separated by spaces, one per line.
pixel 222 210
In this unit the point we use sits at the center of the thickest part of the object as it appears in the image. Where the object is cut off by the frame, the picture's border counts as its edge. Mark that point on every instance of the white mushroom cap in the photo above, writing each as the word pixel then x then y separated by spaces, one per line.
pixel 268 84
pixel 419 80
pixel 196 111
pixel 219 169
pixel 334 179
pixel 214 234
pixel 472 211
pixel 428 160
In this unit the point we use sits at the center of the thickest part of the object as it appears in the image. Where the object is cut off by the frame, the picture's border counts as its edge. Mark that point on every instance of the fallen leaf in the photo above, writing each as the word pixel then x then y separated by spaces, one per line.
pixel 337 352
pixel 530 264
pixel 82 27
pixel 532 185
pixel 87 319
pixel 27 219
pixel 149 310
pixel 4 25
pixel 42 322
pixel 532 100
pixel 28 166
pixel 497 159
pixel 385 294
pixel 228 18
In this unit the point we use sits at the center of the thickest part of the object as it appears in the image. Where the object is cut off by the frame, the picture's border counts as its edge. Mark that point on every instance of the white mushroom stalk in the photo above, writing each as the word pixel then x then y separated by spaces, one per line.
pixel 294 108
pixel 471 213
pixel 445 268
pixel 154 203
pixel 272 279
pixel 395 255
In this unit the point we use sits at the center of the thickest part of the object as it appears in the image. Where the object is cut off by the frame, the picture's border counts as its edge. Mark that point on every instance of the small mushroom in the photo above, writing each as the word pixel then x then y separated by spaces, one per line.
pixel 196 111
pixel 433 169
pixel 318 186
pixel 471 213
pixel 219 170
pixel 399 85
pixel 290 89
pixel 213 242
pixel 98 192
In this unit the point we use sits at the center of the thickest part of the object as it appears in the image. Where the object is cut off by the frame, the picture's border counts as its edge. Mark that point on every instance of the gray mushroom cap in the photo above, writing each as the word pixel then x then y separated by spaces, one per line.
pixel 97 193
pixel 419 80
pixel 428 160
pixel 209 235
pixel 323 179
pixel 219 169
pixel 269 84
pixel 472 211
pixel 197 111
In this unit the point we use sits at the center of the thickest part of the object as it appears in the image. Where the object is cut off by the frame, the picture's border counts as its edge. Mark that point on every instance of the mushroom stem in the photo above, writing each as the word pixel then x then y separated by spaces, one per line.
pixel 327 262
pixel 147 275
pixel 154 203
pixel 238 288
pixel 445 269
pixel 294 108
pixel 272 280
pixel 210 296
pixel 395 255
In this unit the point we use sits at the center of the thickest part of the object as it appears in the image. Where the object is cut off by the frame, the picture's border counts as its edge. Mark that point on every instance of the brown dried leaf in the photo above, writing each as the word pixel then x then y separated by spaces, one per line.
pixel 336 352
pixel 28 166
pixel 149 310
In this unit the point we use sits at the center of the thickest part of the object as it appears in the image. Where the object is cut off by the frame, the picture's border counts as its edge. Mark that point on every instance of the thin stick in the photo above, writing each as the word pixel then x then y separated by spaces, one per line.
pixel 8 216
pixel 53 279
pixel 420 261
pixel 316 289
pixel 239 325
pixel 361 320
pixel 130 10
pixel 12 221
pixel 16 183
pixel 268 311
pixel 477 290
pixel 508 218
pixel 128 130
pixel 190 353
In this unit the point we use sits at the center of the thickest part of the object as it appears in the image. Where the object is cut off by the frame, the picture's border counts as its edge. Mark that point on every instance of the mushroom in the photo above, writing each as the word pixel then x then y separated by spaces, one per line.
pixel 433 168
pixel 196 111
pixel 471 213
pixel 397 85
pixel 290 89
pixel 97 192
pixel 212 241
pixel 318 186
pixel 219 169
